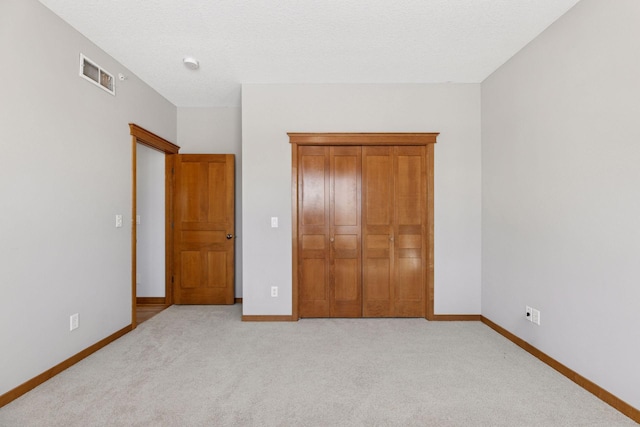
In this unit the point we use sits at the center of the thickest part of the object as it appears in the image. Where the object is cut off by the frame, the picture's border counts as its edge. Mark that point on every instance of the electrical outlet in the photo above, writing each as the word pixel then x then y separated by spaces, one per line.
pixel 74 322
pixel 535 316
pixel 274 291
pixel 528 314
pixel 118 221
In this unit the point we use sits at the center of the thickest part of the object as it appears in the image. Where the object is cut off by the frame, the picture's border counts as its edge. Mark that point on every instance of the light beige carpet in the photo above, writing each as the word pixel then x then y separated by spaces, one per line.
pixel 202 366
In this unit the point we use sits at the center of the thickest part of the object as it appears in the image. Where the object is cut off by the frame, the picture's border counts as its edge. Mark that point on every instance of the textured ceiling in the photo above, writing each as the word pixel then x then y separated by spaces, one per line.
pixel 306 41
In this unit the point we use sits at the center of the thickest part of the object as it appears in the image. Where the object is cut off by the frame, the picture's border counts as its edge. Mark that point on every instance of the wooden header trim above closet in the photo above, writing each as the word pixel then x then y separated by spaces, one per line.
pixel 152 140
pixel 362 138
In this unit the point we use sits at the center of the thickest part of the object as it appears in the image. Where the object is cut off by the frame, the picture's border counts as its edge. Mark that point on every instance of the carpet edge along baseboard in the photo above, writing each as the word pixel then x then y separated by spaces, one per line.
pixel 29 385
pixel 586 384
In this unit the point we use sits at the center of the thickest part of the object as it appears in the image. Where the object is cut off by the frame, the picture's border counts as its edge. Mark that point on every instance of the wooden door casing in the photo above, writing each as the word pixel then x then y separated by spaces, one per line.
pixel 142 136
pixel 204 229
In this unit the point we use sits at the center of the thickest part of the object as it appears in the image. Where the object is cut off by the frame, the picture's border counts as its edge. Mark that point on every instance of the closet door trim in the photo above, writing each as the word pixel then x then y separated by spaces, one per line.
pixel 363 139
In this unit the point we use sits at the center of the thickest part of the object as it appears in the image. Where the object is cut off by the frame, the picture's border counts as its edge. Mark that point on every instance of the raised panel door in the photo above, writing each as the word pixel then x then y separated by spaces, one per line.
pixel 313 232
pixel 345 232
pixel 378 215
pixel 204 229
pixel 409 231
pixel 329 258
pixel 393 224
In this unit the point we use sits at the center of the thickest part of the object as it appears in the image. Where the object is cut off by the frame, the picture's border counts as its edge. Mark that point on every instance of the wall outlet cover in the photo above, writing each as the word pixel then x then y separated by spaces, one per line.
pixel 73 322
pixel 535 316
pixel 529 313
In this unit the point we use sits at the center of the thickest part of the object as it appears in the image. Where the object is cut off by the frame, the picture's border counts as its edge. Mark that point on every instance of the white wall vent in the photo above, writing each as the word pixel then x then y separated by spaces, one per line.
pixel 97 75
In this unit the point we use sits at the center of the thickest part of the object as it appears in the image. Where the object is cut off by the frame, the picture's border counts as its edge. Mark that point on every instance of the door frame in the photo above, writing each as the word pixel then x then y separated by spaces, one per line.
pixel 142 136
pixel 427 140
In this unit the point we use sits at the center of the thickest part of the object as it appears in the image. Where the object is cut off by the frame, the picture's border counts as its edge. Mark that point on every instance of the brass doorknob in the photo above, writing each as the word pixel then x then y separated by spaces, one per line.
pixel 331 239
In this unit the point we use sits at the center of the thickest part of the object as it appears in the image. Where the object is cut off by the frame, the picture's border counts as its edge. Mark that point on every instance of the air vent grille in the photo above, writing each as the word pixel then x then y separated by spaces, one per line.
pixel 97 75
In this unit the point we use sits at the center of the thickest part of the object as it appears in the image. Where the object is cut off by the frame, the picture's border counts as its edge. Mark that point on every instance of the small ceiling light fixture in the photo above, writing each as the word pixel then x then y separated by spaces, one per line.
pixel 191 63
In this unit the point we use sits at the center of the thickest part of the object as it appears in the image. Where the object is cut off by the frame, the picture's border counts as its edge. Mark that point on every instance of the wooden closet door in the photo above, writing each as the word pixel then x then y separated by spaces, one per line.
pixel 377 231
pixel 345 232
pixel 393 227
pixel 410 251
pixel 313 232
pixel 329 232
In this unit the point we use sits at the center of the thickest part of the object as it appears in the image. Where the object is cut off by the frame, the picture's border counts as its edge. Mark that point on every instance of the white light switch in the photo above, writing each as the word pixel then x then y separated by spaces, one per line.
pixel 274 222
pixel 138 219
pixel 118 221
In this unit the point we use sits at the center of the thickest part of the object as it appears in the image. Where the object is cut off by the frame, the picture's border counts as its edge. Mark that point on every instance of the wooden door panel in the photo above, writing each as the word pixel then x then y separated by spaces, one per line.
pixel 189 191
pixel 377 276
pixel 217 269
pixel 346 279
pixel 377 224
pixel 203 218
pixel 314 280
pixel 345 231
pixel 202 237
pixel 409 241
pixel 409 199
pixel 410 254
pixel 190 268
pixel 217 195
pixel 346 242
pixel 313 183
pixel 313 232
pixel 378 185
pixel 311 242
pixel 408 279
pixel 345 171
pixel 314 290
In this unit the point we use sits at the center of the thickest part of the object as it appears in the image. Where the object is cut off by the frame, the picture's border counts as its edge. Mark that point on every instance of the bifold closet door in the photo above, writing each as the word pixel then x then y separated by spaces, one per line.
pixel 329 231
pixel 393 231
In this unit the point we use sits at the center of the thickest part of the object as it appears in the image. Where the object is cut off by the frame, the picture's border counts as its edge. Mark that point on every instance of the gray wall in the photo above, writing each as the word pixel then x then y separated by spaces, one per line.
pixel 270 111
pixel 150 207
pixel 216 130
pixel 65 172
pixel 561 193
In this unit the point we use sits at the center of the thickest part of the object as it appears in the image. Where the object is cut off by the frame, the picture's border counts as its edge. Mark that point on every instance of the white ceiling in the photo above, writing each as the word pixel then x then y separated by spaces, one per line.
pixel 306 41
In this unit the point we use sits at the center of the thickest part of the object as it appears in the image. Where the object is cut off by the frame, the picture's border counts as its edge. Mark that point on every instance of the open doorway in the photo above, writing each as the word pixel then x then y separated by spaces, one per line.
pixel 150 223
pixel 147 146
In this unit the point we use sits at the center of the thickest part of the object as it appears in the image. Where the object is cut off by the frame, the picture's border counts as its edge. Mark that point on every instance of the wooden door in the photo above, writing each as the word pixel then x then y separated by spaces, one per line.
pixel 313 235
pixel 394 227
pixel 378 220
pixel 345 265
pixel 394 247
pixel 329 267
pixel 203 229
